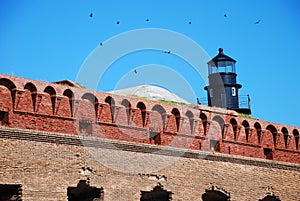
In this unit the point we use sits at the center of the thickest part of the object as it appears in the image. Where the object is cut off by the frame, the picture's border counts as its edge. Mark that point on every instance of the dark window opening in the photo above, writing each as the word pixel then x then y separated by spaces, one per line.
pixel 268 153
pixel 190 115
pixel 296 135
pixel 9 192
pixel 3 118
pixel 127 106
pixel 285 136
pixel 111 103
pixel 273 130
pixel 70 95
pixel 142 108
pixel 204 122
pixel 85 127
pixel 258 131
pixel 214 145
pixel 247 129
pixel 215 194
pixel 270 197
pixel 157 194
pixel 176 113
pixel 85 192
pixel 29 86
pixel 155 136
pixel 234 128
pixel 50 90
pixel 297 141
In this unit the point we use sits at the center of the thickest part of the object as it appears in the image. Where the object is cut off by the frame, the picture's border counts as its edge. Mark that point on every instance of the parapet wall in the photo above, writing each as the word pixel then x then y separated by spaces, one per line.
pixel 68 108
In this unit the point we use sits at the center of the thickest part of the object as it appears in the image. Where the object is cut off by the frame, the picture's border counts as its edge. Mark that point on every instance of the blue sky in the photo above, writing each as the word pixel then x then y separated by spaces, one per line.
pixel 51 40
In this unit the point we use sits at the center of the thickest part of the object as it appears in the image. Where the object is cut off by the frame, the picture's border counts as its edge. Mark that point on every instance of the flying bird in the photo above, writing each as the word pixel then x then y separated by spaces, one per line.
pixel 147 20
pixel 91 15
pixel 135 71
pixel 167 52
pixel 101 44
pixel 257 22
pixel 118 22
pixel 190 22
pixel 225 15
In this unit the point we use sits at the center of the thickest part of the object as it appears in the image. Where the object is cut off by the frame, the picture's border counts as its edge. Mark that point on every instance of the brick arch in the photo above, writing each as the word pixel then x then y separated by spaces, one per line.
pixel 234 126
pixel 221 123
pixel 203 118
pixel 285 133
pixel 11 86
pixel 6 105
pixel 157 123
pixel 190 116
pixel 296 136
pixel 7 83
pixel 127 106
pixel 51 91
pixel 273 130
pixel 141 106
pixel 176 114
pixel 111 102
pixel 246 126
pixel 258 129
pixel 69 93
pixel 214 135
pixel 33 90
pixel 161 111
pixel 31 87
pixel 93 99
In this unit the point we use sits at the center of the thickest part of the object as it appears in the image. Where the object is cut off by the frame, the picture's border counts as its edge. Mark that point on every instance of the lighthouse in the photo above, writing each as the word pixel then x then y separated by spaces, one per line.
pixel 223 90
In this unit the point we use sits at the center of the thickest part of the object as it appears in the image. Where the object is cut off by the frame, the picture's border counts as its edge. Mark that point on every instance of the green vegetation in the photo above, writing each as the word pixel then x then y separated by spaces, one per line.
pixel 139 97
pixel 80 85
pixel 171 102
pixel 246 116
pixel 160 101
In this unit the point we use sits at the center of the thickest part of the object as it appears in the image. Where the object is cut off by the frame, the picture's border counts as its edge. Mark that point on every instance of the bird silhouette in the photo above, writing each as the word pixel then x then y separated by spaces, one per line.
pixel 101 44
pixel 147 20
pixel 135 71
pixel 118 22
pixel 257 22
pixel 190 22
pixel 167 52
pixel 225 15
pixel 91 15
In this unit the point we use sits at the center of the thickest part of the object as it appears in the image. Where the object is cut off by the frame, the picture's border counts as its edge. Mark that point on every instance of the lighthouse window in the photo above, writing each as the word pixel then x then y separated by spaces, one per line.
pixel 233 91
pixel 211 93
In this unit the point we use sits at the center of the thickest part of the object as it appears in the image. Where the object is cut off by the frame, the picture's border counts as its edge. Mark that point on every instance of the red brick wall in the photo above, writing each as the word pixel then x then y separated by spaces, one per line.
pixel 53 113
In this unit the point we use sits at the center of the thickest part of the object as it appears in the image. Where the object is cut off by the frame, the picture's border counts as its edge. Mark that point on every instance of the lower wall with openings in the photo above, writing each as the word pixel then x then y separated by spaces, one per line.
pixel 38 165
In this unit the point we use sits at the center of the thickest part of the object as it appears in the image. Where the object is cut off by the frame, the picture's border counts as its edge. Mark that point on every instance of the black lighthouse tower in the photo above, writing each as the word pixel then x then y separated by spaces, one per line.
pixel 223 91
